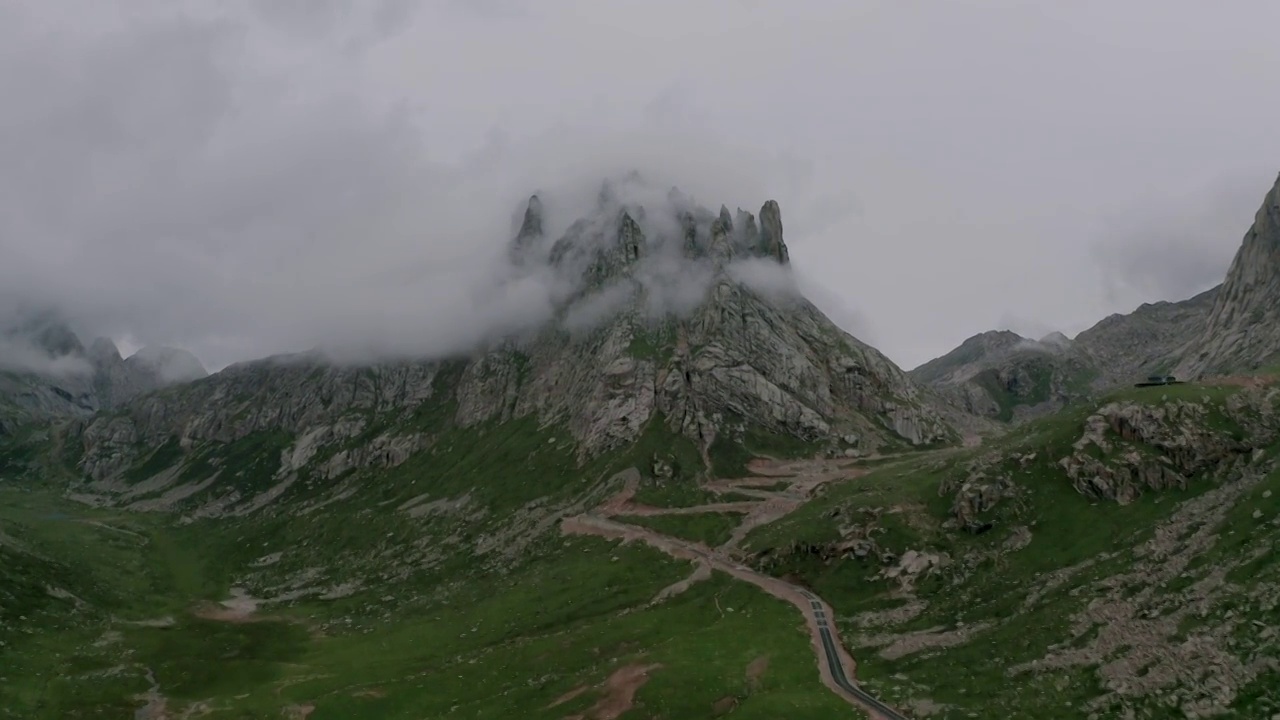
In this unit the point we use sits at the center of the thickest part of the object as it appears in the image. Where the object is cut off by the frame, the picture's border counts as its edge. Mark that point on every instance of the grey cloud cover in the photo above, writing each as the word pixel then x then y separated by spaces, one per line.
pixel 246 178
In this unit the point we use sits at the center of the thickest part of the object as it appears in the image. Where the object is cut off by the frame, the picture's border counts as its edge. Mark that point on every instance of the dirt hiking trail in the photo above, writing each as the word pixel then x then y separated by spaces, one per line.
pixel 780 488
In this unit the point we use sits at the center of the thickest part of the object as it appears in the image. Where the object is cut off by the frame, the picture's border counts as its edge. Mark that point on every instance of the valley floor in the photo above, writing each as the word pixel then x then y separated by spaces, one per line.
pixel 660 599
pixel 590 630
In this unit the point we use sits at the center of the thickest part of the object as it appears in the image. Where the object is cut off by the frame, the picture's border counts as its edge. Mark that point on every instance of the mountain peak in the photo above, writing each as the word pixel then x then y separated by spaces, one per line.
pixel 657 240
pixel 532 223
pixel 1056 339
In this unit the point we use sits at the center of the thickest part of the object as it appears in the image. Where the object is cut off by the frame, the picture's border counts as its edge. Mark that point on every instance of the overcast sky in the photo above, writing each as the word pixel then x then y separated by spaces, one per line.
pixel 244 178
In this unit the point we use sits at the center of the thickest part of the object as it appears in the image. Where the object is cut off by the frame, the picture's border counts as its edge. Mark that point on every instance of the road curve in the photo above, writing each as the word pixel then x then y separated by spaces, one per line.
pixel 830 648
pixel 832 657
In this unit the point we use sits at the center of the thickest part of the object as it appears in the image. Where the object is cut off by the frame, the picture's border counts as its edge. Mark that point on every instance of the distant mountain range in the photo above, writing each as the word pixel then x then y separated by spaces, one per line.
pixel 1231 328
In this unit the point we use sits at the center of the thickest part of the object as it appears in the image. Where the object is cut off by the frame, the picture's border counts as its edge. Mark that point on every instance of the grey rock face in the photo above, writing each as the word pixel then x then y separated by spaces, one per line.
pixel 771 244
pixel 1148 341
pixel 1242 332
pixel 297 395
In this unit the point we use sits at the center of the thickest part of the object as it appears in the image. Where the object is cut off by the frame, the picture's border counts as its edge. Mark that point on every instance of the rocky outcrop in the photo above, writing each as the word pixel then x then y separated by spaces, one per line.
pixel 1124 449
pixel 1242 332
pixel 1129 447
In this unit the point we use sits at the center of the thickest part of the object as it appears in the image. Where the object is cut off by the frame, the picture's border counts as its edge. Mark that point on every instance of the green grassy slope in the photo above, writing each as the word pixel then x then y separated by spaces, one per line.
pixel 379 612
pixel 963 635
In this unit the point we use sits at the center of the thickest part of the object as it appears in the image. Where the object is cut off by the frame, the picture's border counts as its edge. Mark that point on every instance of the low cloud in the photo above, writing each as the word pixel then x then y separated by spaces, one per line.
pixel 1179 246
pixel 18 355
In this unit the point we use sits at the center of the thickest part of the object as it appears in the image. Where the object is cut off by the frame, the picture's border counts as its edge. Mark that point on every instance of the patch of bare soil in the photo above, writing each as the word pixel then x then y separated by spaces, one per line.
pixel 745 506
pixel 925 707
pixel 897 645
pixel 756 670
pixel 703 572
pixel 724 706
pixel 893 616
pixel 372 693
pixel 630 482
pixel 239 608
pixel 576 692
pixel 157 705
pixel 299 712
pixel 619 692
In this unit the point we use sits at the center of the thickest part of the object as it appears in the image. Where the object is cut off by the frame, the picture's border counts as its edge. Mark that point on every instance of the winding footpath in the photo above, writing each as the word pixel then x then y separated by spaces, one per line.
pixel 835 665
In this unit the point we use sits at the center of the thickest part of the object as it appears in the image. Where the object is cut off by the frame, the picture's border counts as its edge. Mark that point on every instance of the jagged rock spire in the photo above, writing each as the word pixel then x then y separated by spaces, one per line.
pixel 746 234
pixel 689 226
pixel 630 238
pixel 721 248
pixel 531 231
pixel 103 351
pixel 532 225
pixel 771 243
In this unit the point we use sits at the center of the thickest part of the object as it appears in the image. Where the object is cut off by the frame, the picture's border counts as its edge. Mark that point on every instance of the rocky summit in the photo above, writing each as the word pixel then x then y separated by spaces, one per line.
pixel 682 493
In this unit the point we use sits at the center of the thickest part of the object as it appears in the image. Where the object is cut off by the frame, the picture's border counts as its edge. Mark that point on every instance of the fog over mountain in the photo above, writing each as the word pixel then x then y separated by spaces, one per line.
pixel 240 179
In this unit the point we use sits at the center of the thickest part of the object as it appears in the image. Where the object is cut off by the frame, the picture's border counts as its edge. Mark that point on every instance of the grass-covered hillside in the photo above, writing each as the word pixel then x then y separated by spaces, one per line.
pixel 1116 557
pixel 987 582
pixel 440 587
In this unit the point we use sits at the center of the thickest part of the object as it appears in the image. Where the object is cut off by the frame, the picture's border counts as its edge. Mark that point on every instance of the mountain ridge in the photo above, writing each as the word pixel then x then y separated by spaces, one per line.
pixel 740 358
pixel 1010 377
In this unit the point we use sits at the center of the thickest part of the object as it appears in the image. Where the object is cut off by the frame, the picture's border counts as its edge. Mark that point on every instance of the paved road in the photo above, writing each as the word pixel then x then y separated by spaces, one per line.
pixel 837 668
pixel 816 611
